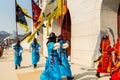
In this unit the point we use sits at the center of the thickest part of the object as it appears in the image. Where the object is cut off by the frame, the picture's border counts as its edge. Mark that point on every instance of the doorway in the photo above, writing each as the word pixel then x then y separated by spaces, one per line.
pixel 66 30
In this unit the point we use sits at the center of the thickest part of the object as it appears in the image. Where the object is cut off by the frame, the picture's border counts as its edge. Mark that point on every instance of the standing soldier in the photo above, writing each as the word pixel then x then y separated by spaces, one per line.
pixel 18 54
pixel 105 60
pixel 115 71
pixel 35 52
pixel 64 64
pixel 52 71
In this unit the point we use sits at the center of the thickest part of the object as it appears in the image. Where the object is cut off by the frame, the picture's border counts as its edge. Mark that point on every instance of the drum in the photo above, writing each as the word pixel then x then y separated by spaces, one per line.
pixel 1 50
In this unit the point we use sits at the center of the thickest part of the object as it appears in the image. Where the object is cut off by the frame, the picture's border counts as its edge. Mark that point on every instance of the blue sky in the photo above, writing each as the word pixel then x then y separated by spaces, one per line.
pixel 7 15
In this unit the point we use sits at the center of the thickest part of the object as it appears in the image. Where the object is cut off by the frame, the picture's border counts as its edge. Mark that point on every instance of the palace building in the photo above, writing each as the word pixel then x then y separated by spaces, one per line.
pixel 82 25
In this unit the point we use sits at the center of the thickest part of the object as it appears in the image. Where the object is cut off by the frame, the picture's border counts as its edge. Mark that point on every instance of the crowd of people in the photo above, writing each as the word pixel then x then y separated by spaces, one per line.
pixel 57 64
pixel 109 61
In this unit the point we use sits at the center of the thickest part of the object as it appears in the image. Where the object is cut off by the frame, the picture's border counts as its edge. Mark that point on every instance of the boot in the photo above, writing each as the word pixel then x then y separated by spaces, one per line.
pixel 19 65
pixel 70 78
pixel 98 74
pixel 15 67
pixel 35 66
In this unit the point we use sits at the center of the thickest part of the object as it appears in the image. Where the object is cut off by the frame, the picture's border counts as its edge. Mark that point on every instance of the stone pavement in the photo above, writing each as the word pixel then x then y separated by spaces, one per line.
pixel 27 72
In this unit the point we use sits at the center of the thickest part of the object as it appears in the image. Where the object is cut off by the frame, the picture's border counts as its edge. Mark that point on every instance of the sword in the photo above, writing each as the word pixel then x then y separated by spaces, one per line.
pixel 112 33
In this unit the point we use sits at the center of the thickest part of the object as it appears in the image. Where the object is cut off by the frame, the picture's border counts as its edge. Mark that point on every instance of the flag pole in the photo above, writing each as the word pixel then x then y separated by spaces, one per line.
pixel 16 32
pixel 61 19
pixel 16 23
pixel 32 20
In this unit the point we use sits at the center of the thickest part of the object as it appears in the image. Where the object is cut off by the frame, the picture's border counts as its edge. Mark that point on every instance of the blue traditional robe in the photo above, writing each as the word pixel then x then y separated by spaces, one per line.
pixel 52 71
pixel 35 53
pixel 17 55
pixel 65 66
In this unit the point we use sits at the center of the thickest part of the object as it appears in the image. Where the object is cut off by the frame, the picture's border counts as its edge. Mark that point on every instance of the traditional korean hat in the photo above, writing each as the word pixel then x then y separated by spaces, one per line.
pixel 34 39
pixel 52 35
pixel 60 37
pixel 105 37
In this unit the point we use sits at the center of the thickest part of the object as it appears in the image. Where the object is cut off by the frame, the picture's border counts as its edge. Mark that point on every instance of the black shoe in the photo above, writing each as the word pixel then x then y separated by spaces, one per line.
pixel 98 74
pixel 15 67
pixel 19 65
pixel 70 78
pixel 35 65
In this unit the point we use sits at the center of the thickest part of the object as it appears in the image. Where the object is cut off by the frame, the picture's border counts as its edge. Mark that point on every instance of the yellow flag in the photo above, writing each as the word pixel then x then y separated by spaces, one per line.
pixel 24 26
pixel 47 16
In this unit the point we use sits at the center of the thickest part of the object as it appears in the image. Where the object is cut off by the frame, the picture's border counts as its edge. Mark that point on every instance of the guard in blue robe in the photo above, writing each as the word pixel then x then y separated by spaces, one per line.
pixel 52 71
pixel 64 65
pixel 18 54
pixel 35 52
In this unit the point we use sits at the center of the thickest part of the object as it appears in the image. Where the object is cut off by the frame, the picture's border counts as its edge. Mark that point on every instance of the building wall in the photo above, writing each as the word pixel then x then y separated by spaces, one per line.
pixel 85 17
pixel 88 19
pixel 108 16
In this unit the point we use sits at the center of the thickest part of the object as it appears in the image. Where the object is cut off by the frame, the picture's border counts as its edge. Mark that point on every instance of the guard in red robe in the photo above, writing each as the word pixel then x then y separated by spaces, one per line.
pixel 115 71
pixel 105 60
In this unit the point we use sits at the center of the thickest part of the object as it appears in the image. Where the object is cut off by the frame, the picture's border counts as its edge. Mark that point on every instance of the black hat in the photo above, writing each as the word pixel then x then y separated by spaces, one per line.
pixel 105 37
pixel 34 39
pixel 52 35
pixel 60 37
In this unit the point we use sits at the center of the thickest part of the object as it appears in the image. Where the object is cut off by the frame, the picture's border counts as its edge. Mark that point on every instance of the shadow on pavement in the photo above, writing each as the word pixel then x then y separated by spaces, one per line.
pixel 22 67
pixel 78 76
pixel 39 65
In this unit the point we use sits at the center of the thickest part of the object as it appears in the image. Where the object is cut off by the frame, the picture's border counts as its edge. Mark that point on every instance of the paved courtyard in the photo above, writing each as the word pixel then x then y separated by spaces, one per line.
pixel 27 72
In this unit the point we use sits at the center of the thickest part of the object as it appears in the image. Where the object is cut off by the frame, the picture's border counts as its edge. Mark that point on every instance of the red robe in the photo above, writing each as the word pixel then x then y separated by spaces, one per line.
pixel 105 61
pixel 115 71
